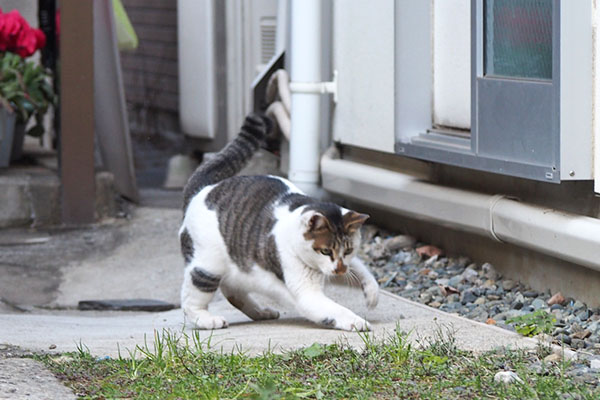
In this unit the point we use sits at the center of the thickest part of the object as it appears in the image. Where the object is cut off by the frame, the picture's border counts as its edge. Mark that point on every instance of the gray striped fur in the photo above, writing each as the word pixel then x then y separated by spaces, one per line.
pixel 204 280
pixel 187 246
pixel 244 206
pixel 231 159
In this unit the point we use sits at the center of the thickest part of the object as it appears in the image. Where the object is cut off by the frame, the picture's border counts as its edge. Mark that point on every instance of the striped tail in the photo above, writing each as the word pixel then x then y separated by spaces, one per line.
pixel 231 159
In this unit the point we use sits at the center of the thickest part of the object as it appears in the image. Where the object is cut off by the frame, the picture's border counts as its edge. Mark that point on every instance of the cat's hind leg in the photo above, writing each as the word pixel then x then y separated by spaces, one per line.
pixel 246 304
pixel 199 287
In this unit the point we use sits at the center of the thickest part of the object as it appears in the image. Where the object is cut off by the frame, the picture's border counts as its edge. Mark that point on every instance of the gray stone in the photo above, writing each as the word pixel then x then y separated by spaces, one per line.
pixel 469 275
pixel 468 297
pixel 509 314
pixel 455 280
pixel 578 370
pixel 453 298
pixel 432 275
pixel 490 272
pixel 478 314
pixel 578 305
pixel 577 343
pixel 537 368
pixel 435 290
pixel 564 339
pixel 377 250
pixel 451 307
pixel 507 377
pixel 538 304
pixel 517 305
pixel 435 304
pixel 402 257
pixel 426 297
pixel 531 293
pixel 442 281
pixel 518 301
pixel 398 242
pixel 508 284
pixel 126 305
pixel 583 315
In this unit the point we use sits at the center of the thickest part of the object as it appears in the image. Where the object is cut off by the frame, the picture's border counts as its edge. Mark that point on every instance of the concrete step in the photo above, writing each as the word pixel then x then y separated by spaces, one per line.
pixel 30 196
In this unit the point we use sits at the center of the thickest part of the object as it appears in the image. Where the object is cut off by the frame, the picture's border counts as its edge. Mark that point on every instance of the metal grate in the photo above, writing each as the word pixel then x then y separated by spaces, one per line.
pixel 268 26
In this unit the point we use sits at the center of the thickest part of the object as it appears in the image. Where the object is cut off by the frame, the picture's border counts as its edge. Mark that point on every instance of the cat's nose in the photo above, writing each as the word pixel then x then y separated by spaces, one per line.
pixel 341 268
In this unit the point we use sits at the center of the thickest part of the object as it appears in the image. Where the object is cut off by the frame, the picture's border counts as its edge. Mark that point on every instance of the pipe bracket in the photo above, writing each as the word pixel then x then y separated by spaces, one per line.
pixel 494 200
pixel 317 87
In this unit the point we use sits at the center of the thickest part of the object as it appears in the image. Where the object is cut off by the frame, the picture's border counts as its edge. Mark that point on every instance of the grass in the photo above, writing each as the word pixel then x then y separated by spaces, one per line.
pixel 184 367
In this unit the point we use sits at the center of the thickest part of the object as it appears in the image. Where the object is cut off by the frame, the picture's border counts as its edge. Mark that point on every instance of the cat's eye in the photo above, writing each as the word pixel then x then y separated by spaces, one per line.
pixel 348 251
pixel 325 252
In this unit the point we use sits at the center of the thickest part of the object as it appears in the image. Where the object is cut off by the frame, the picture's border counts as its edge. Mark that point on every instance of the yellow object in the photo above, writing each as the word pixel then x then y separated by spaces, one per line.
pixel 126 37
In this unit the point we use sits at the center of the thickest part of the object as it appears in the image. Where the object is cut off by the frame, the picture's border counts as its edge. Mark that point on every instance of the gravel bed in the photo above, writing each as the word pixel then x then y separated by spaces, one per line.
pixel 423 273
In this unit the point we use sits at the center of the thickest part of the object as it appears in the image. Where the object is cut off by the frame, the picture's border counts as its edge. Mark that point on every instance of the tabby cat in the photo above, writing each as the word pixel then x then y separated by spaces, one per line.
pixel 261 234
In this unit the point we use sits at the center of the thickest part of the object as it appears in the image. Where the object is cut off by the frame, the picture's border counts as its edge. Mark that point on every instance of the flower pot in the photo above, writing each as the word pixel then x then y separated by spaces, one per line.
pixel 17 142
pixel 7 129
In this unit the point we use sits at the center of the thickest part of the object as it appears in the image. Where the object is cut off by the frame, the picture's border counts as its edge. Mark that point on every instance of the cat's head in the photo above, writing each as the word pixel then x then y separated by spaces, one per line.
pixel 332 236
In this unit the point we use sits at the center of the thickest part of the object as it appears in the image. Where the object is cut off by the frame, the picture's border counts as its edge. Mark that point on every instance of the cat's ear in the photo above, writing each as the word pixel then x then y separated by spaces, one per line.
pixel 318 223
pixel 353 221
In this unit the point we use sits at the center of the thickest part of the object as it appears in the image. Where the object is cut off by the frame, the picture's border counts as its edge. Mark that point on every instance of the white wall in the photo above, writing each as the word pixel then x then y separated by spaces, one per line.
pixel 27 8
pixel 452 63
pixel 363 55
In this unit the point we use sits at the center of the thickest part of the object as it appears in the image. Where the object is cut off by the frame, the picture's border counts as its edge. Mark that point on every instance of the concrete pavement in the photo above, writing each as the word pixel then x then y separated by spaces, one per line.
pixel 140 258
pixel 104 333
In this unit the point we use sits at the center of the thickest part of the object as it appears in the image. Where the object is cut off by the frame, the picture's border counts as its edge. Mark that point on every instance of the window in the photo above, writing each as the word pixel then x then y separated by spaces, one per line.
pixel 530 78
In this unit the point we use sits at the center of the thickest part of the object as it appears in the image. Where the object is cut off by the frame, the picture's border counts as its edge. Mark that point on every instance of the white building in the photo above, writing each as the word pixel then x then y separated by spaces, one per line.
pixel 468 123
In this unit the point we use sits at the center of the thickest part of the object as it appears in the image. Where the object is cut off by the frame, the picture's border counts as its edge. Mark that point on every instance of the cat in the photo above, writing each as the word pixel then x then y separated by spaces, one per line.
pixel 261 234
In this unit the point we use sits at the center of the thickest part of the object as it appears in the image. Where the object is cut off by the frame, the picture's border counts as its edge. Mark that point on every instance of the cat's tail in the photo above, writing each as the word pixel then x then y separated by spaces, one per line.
pixel 231 159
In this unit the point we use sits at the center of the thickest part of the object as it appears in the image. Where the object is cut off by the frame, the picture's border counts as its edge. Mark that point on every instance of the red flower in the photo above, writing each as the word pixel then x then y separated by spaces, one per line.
pixel 17 36
pixel 41 38
pixel 11 24
pixel 27 42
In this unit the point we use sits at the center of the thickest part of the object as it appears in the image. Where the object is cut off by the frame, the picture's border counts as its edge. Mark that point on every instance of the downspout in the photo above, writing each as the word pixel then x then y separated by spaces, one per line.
pixel 596 94
pixel 305 73
pixel 566 236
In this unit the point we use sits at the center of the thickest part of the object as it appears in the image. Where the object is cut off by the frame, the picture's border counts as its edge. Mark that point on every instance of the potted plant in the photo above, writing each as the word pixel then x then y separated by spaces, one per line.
pixel 25 91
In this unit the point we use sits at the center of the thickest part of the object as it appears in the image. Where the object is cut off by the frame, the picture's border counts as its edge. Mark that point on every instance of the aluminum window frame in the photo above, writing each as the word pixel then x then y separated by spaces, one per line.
pixel 567 125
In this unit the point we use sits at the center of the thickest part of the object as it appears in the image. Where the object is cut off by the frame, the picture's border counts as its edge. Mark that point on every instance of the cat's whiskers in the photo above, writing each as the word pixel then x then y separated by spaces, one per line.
pixel 352 278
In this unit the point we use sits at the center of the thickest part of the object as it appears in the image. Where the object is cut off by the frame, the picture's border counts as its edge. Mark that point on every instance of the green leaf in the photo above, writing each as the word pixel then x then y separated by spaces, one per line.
pixel 36 131
pixel 314 350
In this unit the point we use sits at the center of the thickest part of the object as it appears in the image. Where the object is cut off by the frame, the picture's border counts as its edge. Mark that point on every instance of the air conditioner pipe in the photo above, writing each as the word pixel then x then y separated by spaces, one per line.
pixel 305 66
pixel 279 86
pixel 278 97
pixel 566 236
pixel 277 111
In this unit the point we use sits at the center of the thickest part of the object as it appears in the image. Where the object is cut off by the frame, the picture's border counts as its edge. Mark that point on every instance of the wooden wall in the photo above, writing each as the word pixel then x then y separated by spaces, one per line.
pixel 150 73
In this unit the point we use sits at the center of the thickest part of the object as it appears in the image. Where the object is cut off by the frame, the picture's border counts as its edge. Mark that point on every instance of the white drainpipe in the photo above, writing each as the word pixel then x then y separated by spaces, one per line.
pixel 566 236
pixel 305 68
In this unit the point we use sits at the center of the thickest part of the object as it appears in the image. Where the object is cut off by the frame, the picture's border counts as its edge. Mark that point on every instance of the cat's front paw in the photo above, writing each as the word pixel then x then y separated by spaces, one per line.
pixel 211 322
pixel 371 292
pixel 352 324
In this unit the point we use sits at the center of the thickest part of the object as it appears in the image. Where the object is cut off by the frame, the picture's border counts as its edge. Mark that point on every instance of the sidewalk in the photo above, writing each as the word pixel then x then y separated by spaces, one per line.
pixel 141 259
pixel 103 333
